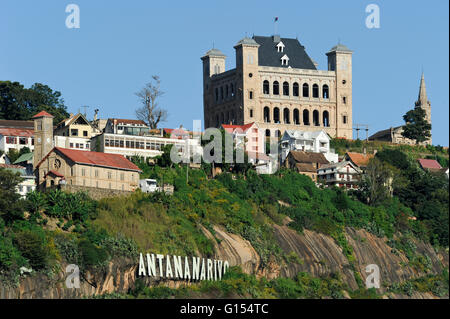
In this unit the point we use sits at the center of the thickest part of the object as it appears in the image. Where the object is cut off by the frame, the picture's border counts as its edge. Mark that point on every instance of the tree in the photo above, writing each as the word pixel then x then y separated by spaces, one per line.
pixel 14 154
pixel 150 112
pixel 20 103
pixel 11 204
pixel 417 127
pixel 377 182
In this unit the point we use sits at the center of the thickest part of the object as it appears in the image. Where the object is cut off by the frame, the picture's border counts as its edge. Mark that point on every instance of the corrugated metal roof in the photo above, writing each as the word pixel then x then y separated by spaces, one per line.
pixel 16 132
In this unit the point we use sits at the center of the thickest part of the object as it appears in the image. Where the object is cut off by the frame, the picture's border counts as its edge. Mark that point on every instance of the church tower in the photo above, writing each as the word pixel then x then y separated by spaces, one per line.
pixel 423 101
pixel 43 136
pixel 340 61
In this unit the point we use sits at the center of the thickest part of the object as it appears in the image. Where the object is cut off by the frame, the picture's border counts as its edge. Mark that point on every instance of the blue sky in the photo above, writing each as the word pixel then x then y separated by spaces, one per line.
pixel 120 44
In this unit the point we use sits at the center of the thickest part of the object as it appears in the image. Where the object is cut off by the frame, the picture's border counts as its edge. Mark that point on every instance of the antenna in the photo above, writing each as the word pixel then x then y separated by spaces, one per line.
pixel 84 107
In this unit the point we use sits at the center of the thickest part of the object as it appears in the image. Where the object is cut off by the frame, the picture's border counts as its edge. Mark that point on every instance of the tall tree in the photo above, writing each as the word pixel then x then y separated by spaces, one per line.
pixel 20 103
pixel 150 112
pixel 417 127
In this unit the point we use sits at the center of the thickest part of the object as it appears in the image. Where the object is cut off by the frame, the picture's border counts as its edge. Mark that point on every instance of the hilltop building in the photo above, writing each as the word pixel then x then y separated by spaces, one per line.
pixel 54 166
pixel 277 86
pixel 394 134
pixel 307 141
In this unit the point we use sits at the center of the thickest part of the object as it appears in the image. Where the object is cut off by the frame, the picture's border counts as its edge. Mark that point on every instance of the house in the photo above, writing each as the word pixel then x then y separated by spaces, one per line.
pixel 126 127
pixel 75 126
pixel 26 161
pixel 361 160
pixel 263 163
pixel 306 163
pixel 27 184
pixel 430 165
pixel 16 138
pixel 342 174
pixel 307 141
pixel 248 135
pixel 87 169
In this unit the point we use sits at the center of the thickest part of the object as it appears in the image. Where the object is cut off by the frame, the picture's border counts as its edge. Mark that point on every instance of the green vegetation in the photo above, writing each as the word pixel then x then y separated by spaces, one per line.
pixel 417 127
pixel 20 103
pixel 46 229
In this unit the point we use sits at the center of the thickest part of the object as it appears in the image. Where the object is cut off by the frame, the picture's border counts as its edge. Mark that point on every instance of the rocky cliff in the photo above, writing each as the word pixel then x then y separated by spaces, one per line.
pixel 317 254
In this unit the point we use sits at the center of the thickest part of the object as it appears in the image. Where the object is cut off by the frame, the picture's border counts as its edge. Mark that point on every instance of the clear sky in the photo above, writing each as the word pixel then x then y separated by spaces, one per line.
pixel 121 44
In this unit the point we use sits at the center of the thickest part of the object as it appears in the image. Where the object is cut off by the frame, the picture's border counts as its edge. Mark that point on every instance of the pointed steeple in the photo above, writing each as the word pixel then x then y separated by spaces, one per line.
pixel 423 99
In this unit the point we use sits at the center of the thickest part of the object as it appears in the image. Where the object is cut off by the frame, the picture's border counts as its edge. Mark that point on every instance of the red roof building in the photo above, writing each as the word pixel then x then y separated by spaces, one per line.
pixel 42 114
pixel 429 164
pixel 87 170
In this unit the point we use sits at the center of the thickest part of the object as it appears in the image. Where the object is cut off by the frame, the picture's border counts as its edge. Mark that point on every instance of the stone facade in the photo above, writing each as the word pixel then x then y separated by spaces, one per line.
pixel 281 97
pixel 57 167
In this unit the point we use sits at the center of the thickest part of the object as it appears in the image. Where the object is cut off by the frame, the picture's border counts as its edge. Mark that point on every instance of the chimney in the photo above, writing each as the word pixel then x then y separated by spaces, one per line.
pixel 276 38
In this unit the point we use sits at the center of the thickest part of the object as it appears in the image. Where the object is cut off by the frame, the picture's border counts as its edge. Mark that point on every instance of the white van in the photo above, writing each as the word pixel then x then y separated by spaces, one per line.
pixel 148 185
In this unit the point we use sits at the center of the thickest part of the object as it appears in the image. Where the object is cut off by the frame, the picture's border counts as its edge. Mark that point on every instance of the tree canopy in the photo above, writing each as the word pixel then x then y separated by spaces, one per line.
pixel 20 103
pixel 417 127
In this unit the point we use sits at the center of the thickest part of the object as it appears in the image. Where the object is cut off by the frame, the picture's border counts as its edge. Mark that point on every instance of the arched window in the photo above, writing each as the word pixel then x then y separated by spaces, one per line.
pixel 325 92
pixel 296 117
pixel 285 88
pixel 326 119
pixel 217 120
pixel 267 133
pixel 221 93
pixel 226 91
pixel 286 116
pixel 305 90
pixel 315 90
pixel 276 88
pixel 276 115
pixel 217 94
pixel 305 117
pixel 232 118
pixel 266 87
pixel 227 117
pixel 266 115
pixel 222 118
pixel 295 89
pixel 277 133
pixel 316 118
pixel 232 89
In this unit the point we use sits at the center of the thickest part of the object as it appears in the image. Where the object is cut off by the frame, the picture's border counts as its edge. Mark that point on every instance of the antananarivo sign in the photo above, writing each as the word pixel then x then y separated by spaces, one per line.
pixel 171 267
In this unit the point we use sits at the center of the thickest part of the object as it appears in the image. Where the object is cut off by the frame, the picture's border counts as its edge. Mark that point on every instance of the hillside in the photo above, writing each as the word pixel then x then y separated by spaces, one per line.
pixel 286 237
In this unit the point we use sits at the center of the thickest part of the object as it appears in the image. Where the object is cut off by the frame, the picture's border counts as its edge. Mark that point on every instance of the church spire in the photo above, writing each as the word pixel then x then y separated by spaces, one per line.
pixel 423 99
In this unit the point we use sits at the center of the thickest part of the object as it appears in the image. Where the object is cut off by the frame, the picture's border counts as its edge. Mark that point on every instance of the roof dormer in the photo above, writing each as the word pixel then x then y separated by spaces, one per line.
pixel 280 47
pixel 285 60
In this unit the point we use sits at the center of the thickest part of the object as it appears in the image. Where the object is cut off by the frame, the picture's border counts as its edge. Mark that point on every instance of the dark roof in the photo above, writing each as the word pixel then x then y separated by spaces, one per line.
pixel 383 133
pixel 268 54
pixel 306 167
pixel 308 157
pixel 16 124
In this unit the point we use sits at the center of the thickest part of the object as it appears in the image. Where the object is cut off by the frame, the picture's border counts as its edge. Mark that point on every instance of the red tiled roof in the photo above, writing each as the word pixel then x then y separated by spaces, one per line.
pixel 57 174
pixel 230 128
pixel 177 132
pixel 96 159
pixel 429 164
pixel 16 132
pixel 359 159
pixel 11 166
pixel 42 114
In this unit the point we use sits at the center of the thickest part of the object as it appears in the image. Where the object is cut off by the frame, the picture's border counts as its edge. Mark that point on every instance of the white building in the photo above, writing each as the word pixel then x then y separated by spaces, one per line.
pixel 342 174
pixel 307 141
pixel 16 138
pixel 28 183
pixel 248 134
pixel 78 143
pixel 142 146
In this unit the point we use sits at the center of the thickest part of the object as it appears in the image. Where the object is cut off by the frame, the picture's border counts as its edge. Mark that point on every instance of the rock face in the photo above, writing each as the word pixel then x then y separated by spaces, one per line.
pixel 317 254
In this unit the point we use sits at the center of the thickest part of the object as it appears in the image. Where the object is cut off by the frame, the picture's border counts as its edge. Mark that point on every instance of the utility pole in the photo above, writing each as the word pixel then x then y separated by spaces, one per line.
pixel 359 127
